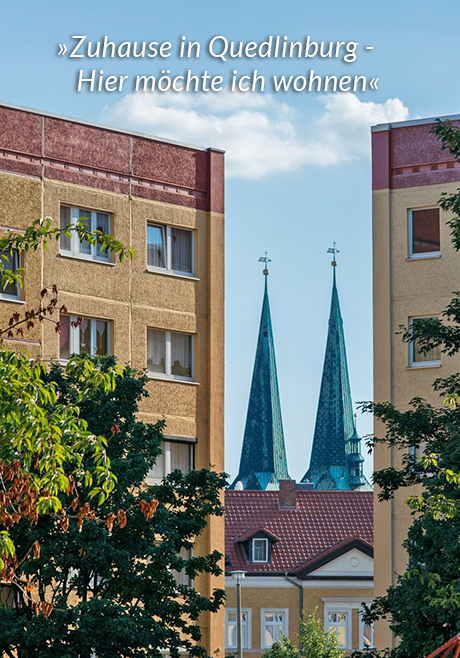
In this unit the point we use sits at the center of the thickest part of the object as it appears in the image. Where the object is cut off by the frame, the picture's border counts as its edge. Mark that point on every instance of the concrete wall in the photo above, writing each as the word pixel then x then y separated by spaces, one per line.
pixel 409 171
pixel 47 161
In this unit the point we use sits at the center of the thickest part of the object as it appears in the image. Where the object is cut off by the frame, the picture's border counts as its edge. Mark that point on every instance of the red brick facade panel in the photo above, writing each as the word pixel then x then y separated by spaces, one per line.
pixel 179 199
pixel 21 165
pixel 216 174
pixel 177 165
pixel 401 181
pixel 34 145
pixel 415 145
pixel 86 145
pixel 20 131
pixel 410 156
pixel 98 180
pixel 381 160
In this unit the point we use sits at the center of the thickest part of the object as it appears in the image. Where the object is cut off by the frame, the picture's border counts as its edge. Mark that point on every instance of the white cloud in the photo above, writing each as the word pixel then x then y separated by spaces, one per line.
pixel 260 134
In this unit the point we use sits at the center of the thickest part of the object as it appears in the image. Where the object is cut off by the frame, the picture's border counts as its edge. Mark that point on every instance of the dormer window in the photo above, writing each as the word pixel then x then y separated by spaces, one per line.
pixel 260 550
pixel 257 545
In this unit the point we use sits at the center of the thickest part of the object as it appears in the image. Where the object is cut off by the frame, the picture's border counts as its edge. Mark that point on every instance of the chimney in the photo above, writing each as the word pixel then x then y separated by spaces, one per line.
pixel 287 494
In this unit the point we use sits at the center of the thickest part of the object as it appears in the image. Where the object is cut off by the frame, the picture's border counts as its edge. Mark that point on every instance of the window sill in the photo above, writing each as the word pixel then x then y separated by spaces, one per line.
pixel 432 256
pixel 153 270
pixel 86 260
pixel 159 378
pixel 12 300
pixel 424 365
pixel 233 649
pixel 153 482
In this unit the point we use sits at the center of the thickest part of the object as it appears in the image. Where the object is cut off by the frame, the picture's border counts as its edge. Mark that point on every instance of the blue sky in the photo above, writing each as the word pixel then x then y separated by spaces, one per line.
pixel 299 170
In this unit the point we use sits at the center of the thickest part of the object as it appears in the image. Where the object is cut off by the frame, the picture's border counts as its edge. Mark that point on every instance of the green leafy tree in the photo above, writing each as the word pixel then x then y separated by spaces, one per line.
pixel 39 437
pixel 314 642
pixel 110 581
pixel 423 608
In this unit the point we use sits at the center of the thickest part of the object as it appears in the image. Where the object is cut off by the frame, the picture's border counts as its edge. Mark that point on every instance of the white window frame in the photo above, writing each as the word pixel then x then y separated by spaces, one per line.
pixel 166 228
pixel 361 633
pixel 191 581
pixel 74 250
pixel 259 539
pixel 247 623
pixel 74 335
pixel 410 230
pixel 167 374
pixel 341 605
pixel 411 345
pixel 263 624
pixel 18 296
pixel 348 625
pixel 153 479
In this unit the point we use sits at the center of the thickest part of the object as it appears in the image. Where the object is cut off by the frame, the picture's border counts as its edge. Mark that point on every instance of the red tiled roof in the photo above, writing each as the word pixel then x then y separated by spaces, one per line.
pixel 336 551
pixel 321 521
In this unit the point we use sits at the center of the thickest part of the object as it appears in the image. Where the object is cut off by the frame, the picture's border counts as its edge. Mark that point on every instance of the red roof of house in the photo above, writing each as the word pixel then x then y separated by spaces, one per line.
pixel 321 521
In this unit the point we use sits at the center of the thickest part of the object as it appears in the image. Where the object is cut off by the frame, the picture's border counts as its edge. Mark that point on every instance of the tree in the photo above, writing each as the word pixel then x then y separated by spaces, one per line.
pixel 423 608
pixel 117 584
pixel 38 436
pixel 313 642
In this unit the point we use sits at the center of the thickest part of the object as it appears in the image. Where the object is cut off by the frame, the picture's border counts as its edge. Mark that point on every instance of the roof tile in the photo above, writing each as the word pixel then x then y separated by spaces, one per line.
pixel 321 520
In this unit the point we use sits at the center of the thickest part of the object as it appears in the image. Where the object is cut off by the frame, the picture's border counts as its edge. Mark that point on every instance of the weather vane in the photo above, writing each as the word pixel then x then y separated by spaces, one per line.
pixel 333 250
pixel 265 259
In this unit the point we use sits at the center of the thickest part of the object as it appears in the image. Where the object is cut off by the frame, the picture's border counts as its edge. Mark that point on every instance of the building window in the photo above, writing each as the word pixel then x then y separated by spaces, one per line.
pixel 170 249
pixel 337 622
pixel 418 358
pixel 366 634
pixel 10 262
pixel 260 550
pixel 273 624
pixel 424 233
pixel 169 354
pixel 231 628
pixel 91 336
pixel 94 220
pixel 181 577
pixel 174 455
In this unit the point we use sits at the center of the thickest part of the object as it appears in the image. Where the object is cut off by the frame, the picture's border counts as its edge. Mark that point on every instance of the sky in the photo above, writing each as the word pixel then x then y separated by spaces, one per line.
pixel 298 164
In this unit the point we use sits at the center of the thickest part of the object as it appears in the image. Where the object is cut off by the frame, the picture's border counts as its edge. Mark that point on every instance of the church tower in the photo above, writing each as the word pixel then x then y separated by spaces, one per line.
pixel 263 458
pixel 336 460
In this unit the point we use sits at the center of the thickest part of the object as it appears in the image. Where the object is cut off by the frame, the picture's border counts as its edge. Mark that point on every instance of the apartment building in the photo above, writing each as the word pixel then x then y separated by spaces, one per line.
pixel 163 310
pixel 415 274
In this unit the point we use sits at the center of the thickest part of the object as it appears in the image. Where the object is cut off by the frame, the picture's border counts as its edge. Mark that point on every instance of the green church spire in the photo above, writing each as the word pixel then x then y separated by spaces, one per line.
pixel 263 458
pixel 336 460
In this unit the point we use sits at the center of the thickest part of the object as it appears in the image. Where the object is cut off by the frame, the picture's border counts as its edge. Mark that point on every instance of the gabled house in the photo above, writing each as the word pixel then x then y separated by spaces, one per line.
pixel 301 550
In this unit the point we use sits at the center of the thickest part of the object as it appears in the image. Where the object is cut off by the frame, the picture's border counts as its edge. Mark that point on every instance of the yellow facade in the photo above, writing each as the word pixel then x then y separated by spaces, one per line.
pixel 273 593
pixel 133 299
pixel 404 288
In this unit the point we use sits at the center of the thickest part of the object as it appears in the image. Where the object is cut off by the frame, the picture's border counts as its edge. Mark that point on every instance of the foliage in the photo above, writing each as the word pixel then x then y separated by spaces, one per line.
pixel 423 608
pixel 40 438
pixel 110 581
pixel 41 232
pixel 313 642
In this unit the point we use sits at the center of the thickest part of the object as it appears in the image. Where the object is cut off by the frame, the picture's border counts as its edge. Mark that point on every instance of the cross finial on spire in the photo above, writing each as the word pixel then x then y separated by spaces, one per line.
pixel 333 250
pixel 266 260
